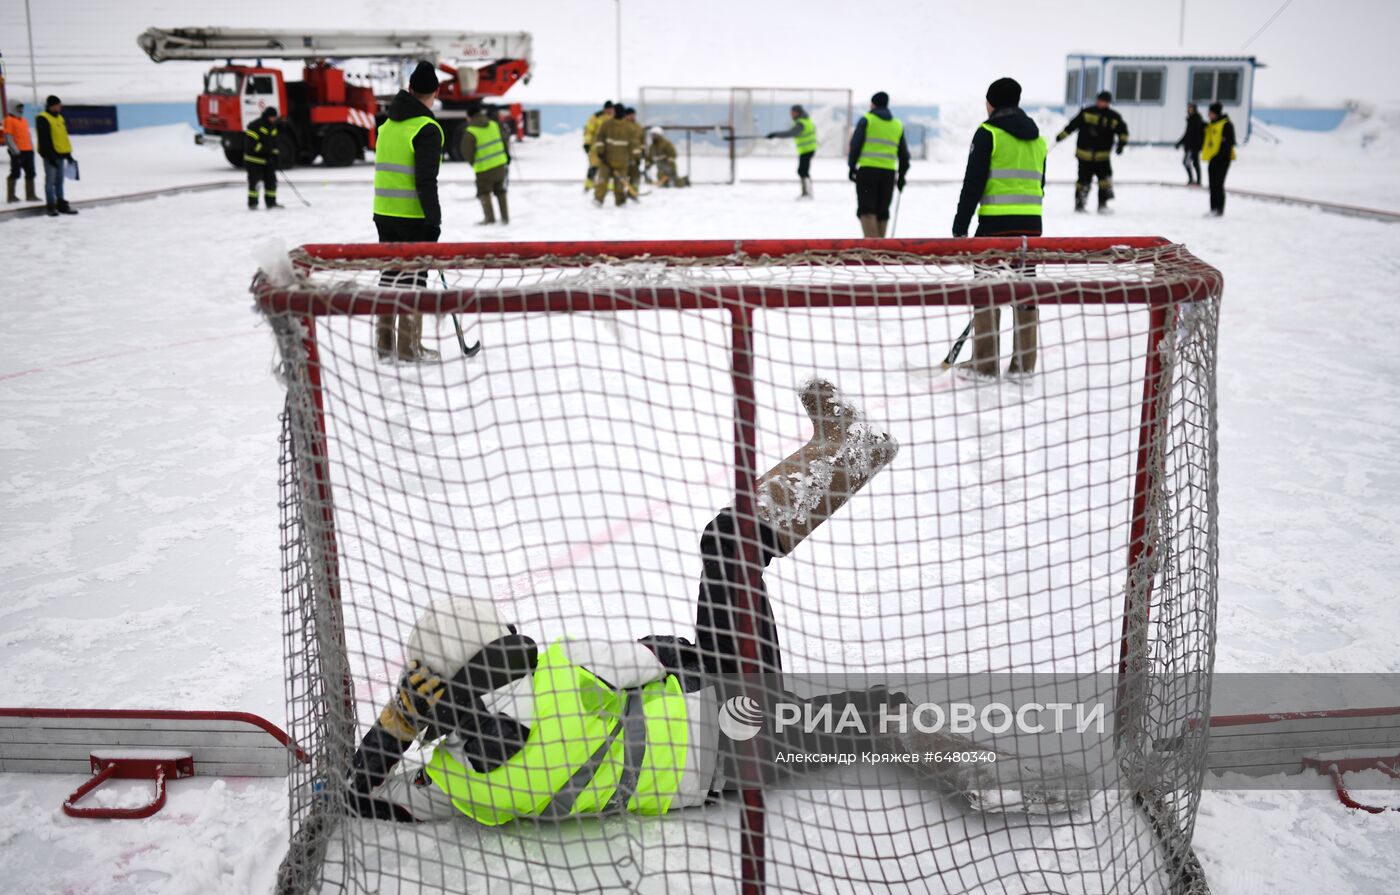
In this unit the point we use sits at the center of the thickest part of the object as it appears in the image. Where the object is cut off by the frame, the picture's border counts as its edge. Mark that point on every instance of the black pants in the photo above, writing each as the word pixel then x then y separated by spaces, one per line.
pixel 22 164
pixel 1191 161
pixel 405 230
pixel 804 164
pixel 1088 170
pixel 1217 168
pixel 265 175
pixel 874 192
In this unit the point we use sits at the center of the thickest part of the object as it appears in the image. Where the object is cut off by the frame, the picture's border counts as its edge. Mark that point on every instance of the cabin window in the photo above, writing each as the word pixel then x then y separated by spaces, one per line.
pixel 1217 85
pixel 1138 85
pixel 259 85
pixel 1072 93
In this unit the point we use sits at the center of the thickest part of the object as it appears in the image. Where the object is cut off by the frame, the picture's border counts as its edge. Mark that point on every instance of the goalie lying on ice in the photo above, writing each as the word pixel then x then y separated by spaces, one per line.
pixel 588 726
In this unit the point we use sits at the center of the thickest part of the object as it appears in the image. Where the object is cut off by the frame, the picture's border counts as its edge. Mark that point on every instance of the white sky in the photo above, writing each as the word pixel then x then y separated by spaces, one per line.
pixel 1321 51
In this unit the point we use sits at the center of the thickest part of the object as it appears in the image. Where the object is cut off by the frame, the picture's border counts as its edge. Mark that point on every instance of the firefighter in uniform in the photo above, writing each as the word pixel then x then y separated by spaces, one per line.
pixel 406 208
pixel 612 153
pixel 1005 184
pixel 590 131
pixel 20 146
pixel 1098 126
pixel 878 162
pixel 662 153
pixel 260 158
pixel 638 137
pixel 486 148
pixel 804 135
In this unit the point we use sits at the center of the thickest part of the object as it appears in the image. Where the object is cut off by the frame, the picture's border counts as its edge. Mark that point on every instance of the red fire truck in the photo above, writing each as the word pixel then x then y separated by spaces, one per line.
pixel 327 114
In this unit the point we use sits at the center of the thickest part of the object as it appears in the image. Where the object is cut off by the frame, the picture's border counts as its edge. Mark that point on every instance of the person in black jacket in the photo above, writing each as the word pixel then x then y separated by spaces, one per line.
pixel 419 224
pixel 875 176
pixel 986 180
pixel 1190 144
pixel 1098 125
pixel 1218 150
pixel 260 158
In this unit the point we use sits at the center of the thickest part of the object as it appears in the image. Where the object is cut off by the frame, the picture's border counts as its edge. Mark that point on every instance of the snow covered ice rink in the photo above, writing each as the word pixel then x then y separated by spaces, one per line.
pixel 139 435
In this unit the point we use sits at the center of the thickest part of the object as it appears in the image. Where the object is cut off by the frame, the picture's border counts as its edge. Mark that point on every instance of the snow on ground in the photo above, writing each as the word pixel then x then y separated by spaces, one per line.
pixel 138 492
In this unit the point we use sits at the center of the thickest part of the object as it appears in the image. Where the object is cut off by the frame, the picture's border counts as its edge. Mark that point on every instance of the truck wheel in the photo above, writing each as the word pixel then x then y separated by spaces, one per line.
pixel 233 149
pixel 286 151
pixel 455 135
pixel 339 148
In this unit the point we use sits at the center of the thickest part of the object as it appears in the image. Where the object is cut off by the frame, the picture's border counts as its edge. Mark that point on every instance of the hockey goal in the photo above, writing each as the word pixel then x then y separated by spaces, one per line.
pixel 1062 524
pixel 752 112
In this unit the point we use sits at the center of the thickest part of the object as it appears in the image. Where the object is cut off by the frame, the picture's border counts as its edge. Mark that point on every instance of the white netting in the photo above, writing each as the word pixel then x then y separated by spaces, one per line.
pixel 1062 522
pixel 752 112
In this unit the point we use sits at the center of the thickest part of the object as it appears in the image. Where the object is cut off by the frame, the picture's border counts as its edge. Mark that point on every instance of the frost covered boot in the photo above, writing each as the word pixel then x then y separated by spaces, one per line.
pixel 10 195
pixel 29 194
pixel 384 336
pixel 843 455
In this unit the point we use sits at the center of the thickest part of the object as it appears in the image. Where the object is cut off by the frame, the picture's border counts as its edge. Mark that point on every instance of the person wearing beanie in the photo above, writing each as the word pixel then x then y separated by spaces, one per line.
pixel 612 155
pixel 407 154
pixel 20 147
pixel 590 131
pixel 1005 184
pixel 1190 145
pixel 804 135
pixel 261 158
pixel 879 162
pixel 486 148
pixel 57 152
pixel 1217 151
pixel 1098 125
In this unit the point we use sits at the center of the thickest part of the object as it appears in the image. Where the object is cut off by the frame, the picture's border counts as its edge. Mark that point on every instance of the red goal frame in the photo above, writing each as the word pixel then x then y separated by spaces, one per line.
pixel 1193 280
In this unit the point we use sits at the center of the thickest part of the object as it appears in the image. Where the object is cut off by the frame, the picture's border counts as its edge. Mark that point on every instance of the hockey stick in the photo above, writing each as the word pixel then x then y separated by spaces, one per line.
pixel 894 221
pixel 949 359
pixel 457 325
pixel 295 190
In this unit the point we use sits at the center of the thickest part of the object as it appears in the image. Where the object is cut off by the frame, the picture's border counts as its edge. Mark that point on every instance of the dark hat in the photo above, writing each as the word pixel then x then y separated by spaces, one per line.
pixel 1217 108
pixel 270 112
pixel 424 78
pixel 607 104
pixel 52 101
pixel 1105 96
pixel 880 100
pixel 799 110
pixel 1004 93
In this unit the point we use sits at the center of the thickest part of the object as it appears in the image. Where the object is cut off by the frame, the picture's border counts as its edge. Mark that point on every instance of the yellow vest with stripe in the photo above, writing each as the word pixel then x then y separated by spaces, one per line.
pixel 1215 135
pixel 807 140
pixel 1014 181
pixel 490 148
pixel 881 146
pixel 58 133
pixel 395 186
pixel 577 716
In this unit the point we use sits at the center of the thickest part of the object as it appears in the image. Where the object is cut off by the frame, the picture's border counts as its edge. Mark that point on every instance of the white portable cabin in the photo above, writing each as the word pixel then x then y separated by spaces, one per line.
pixel 1151 92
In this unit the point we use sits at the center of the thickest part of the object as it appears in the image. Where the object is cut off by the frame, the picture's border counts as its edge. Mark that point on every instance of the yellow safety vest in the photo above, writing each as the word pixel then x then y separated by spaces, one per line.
pixel 881 146
pixel 577 730
pixel 807 139
pixel 490 149
pixel 395 187
pixel 1215 132
pixel 58 133
pixel 1014 181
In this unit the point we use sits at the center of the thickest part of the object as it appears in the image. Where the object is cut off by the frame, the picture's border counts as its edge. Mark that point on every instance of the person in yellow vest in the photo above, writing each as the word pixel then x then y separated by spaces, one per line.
pixel 20 146
pixel 661 152
pixel 878 162
pixel 1217 151
pixel 590 131
pixel 260 157
pixel 1005 184
pixel 57 152
pixel 408 152
pixel 804 136
pixel 486 148
pixel 612 154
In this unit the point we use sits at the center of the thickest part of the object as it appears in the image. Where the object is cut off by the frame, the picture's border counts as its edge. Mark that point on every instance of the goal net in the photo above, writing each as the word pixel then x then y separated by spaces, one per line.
pixel 642 451
pixel 753 112
pixel 705 153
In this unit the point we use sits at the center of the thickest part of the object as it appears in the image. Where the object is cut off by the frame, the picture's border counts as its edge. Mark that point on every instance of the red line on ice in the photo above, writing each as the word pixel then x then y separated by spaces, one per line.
pixel 127 353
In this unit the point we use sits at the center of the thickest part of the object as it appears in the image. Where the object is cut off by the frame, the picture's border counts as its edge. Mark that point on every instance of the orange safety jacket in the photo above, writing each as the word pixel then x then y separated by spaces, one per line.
pixel 18 129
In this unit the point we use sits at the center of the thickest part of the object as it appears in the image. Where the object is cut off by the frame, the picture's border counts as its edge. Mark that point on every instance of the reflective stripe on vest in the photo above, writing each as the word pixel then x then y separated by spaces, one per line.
pixel 881 146
pixel 1013 183
pixel 807 140
pixel 395 185
pixel 590 748
pixel 58 133
pixel 490 149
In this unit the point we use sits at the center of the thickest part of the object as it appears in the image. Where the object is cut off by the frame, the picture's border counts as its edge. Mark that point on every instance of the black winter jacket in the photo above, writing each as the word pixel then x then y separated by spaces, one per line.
pixel 1195 134
pixel 427 157
pixel 979 164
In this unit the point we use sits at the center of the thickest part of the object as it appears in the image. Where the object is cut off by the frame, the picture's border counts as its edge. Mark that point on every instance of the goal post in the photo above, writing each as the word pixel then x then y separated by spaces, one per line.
pixel 753 112
pixel 1060 525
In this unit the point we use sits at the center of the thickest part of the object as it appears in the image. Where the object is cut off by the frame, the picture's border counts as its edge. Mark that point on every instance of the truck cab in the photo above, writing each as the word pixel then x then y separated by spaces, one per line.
pixel 234 97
